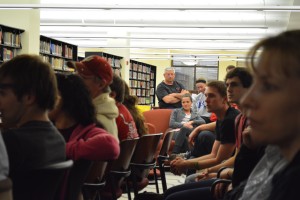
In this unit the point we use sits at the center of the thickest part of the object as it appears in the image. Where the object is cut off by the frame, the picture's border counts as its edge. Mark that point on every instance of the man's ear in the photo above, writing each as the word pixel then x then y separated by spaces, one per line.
pixel 101 84
pixel 29 99
pixel 225 100
pixel 112 94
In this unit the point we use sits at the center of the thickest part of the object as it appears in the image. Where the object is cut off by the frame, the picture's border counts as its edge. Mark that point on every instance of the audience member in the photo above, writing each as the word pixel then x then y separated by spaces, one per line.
pixel 27 91
pixel 3 160
pixel 199 104
pixel 225 139
pixel 229 67
pixel 130 102
pixel 276 65
pixel 169 91
pixel 74 116
pixel 97 74
pixel 237 81
pixel 184 120
pixel 125 123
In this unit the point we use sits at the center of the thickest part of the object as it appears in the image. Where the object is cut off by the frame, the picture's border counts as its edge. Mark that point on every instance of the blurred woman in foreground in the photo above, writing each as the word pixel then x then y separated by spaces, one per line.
pixel 272 107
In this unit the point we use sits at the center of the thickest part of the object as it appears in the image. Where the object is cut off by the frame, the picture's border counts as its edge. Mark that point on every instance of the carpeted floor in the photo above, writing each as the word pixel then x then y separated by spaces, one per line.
pixel 172 180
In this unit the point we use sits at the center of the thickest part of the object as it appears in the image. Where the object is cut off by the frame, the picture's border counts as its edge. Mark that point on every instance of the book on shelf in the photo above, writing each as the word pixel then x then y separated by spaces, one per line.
pixel 144 75
pixel 117 63
pixel 8 54
pixel 10 42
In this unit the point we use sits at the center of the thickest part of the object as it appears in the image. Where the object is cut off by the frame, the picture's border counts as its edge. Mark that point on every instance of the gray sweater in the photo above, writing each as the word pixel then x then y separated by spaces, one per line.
pixel 178 115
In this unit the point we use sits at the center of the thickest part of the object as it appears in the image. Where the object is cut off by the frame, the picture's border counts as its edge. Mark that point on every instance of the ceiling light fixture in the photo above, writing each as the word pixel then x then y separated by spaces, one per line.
pixel 147 7
pixel 151 26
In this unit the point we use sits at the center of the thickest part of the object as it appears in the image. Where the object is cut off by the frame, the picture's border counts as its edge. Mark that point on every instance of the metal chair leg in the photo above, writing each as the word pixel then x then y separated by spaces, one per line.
pixel 155 179
pixel 162 175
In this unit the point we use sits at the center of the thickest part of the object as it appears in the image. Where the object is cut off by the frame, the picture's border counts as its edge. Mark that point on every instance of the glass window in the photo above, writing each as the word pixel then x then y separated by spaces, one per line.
pixel 189 68
pixel 185 76
pixel 208 73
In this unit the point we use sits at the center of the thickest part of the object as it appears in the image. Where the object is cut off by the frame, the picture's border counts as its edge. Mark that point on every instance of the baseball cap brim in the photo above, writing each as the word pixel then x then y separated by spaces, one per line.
pixel 80 68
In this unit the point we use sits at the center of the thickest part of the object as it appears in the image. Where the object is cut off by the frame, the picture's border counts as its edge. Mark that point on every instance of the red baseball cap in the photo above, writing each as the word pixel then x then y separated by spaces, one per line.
pixel 94 66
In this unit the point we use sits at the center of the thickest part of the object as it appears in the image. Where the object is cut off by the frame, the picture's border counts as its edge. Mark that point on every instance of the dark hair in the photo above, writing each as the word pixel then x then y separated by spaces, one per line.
pixel 130 102
pixel 230 67
pixel 220 86
pixel 187 95
pixel 243 74
pixel 31 75
pixel 282 50
pixel 76 100
pixel 118 86
pixel 201 80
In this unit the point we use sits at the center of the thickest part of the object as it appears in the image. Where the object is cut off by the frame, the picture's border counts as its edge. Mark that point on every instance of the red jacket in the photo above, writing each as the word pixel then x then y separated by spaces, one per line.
pixel 92 143
pixel 125 123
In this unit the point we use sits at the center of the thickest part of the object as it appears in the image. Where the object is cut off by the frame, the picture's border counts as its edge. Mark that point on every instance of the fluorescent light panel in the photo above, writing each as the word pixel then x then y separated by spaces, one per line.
pixel 210 31
pixel 159 2
pixel 151 7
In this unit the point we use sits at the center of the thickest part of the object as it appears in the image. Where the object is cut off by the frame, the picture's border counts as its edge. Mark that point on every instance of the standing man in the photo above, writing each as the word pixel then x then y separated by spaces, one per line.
pixel 199 104
pixel 97 75
pixel 28 91
pixel 169 91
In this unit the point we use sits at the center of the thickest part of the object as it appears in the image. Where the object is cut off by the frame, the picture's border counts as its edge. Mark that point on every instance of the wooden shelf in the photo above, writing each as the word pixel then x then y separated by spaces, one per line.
pixel 142 82
pixel 57 53
pixel 113 60
pixel 10 42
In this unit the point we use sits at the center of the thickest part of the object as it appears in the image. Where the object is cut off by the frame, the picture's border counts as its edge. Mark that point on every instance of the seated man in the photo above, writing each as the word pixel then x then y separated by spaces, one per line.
pixel 199 104
pixel 225 139
pixel 27 91
pixel 3 160
pixel 97 74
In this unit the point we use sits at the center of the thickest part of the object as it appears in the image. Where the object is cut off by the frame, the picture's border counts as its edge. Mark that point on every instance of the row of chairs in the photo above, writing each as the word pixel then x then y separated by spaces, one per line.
pixel 158 122
pixel 133 164
pixel 136 158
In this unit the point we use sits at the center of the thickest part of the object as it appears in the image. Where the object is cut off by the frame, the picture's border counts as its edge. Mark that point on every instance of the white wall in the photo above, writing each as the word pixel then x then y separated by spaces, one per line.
pixel 29 20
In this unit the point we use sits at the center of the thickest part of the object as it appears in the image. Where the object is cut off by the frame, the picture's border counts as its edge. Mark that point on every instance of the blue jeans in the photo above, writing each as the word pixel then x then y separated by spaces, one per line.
pixel 190 191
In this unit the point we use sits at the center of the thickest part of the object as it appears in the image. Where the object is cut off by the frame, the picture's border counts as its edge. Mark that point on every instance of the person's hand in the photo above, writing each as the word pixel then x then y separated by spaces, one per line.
pixel 193 135
pixel 188 124
pixel 178 166
pixel 226 173
pixel 205 176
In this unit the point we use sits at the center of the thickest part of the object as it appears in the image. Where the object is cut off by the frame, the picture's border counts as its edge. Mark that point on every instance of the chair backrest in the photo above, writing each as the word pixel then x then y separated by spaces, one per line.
pixel 145 148
pixel 119 170
pixel 166 143
pixel 6 189
pixel 127 148
pixel 41 183
pixel 150 127
pixel 143 160
pixel 160 118
pixel 76 178
pixel 96 172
